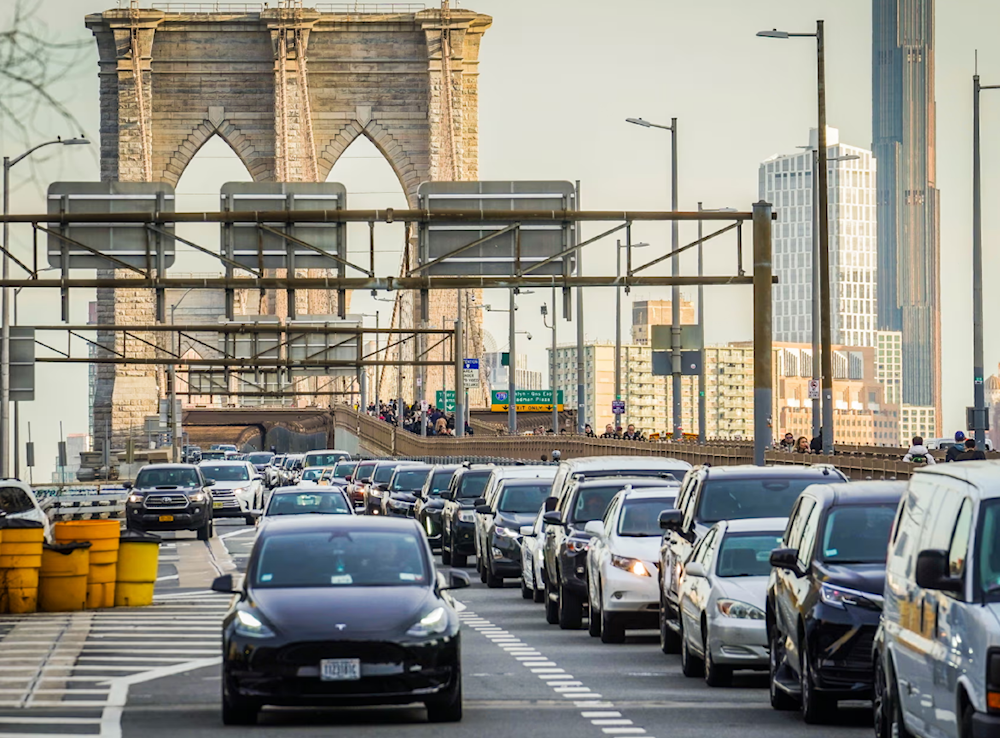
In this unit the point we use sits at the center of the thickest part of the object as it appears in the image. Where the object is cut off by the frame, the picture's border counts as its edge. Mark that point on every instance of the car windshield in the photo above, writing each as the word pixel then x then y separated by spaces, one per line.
pixel 364 472
pixel 640 518
pixel 166 478
pixel 857 534
pixel 14 500
pixel 341 558
pixel 747 554
pixel 409 480
pixel 742 499
pixel 213 455
pixel 226 472
pixel 302 503
pixel 383 473
pixel 524 498
pixel 260 459
pixel 312 474
pixel 473 483
pixel 344 469
pixel 592 501
pixel 441 481
pixel 323 459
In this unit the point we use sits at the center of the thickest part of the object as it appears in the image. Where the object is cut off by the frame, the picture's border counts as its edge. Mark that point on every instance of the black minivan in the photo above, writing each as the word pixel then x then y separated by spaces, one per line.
pixel 824 596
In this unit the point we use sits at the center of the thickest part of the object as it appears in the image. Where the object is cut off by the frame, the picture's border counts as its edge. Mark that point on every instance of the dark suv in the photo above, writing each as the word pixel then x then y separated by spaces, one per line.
pixel 170 497
pixel 378 487
pixel 824 596
pixel 516 504
pixel 404 489
pixel 713 493
pixel 458 519
pixel 430 502
pixel 566 542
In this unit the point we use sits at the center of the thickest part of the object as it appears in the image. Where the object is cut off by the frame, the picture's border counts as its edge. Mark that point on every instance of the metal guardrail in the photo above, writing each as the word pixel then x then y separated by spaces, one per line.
pixel 243 8
pixel 83 502
pixel 205 8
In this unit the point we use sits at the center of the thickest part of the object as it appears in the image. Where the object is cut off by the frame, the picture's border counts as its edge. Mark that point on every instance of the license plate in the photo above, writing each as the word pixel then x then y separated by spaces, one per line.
pixel 340 670
pixel 216 505
pixel 166 518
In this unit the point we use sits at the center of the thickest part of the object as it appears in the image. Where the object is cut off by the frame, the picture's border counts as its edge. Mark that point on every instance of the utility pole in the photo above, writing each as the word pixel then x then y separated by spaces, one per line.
pixel 618 324
pixel 675 292
pixel 581 402
pixel 511 378
pixel 702 415
pixel 762 331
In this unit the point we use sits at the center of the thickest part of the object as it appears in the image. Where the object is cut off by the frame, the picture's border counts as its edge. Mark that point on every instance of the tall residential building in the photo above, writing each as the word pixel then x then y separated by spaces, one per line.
pixel 786 181
pixel 903 142
pixel 647 313
pixel 917 420
pixel 889 364
pixel 498 374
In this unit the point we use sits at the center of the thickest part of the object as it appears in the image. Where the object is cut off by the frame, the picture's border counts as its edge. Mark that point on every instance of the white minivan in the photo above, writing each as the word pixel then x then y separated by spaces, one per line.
pixel 937 651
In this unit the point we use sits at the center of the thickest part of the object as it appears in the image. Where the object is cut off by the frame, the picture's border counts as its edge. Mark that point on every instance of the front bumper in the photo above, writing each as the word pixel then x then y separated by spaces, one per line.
pixel 232 507
pixel 431 522
pixel 373 504
pixel 505 555
pixel 391 673
pixel 841 644
pixel 573 572
pixel 189 518
pixel 741 643
pixel 463 538
pixel 399 508
pixel 626 592
pixel 985 725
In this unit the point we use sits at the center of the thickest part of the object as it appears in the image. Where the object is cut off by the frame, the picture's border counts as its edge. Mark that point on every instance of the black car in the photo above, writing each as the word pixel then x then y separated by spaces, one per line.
pixel 824 596
pixel 565 548
pixel 430 503
pixel 404 489
pixel 361 477
pixel 170 497
pixel 458 519
pixel 260 460
pixel 341 610
pixel 378 487
pixel 516 504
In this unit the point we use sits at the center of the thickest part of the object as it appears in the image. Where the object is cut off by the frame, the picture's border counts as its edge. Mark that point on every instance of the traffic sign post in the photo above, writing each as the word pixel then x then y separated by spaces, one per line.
pixel 813 389
pixel 618 407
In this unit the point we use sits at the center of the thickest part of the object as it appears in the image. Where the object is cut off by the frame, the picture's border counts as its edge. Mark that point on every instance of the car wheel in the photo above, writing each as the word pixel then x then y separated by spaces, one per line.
pixel 780 700
pixel 551 607
pixel 716 675
pixel 526 592
pixel 570 610
pixel 815 707
pixel 691 665
pixel 205 531
pixel 492 580
pixel 670 642
pixel 447 708
pixel 593 617
pixel 537 592
pixel 237 711
pixel 611 628
pixel 967 714
pixel 888 711
pixel 459 560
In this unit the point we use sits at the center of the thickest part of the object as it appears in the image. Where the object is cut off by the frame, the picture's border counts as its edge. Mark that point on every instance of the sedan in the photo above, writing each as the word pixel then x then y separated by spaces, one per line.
pixel 286 501
pixel 621 563
pixel 722 597
pixel 341 610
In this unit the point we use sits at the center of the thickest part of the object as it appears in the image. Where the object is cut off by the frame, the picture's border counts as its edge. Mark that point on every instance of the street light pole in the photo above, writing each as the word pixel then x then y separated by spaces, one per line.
pixel 702 416
pixel 618 331
pixel 511 379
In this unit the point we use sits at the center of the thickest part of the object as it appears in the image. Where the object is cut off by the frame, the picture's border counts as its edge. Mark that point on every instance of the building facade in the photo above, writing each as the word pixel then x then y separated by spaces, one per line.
pixel 786 181
pixel 904 144
pixel 647 313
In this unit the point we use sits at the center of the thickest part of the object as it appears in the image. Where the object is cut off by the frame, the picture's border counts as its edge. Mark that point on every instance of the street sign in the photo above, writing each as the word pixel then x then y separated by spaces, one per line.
pixel 22 364
pixel 470 373
pixel 128 242
pixel 618 407
pixel 530 244
pixel 813 389
pixel 528 401
pixel 690 363
pixel 249 245
pixel 447 405
pixel 324 346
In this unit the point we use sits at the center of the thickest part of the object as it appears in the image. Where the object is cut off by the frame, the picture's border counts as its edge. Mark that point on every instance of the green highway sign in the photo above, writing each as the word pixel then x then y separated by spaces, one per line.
pixel 439 401
pixel 527 400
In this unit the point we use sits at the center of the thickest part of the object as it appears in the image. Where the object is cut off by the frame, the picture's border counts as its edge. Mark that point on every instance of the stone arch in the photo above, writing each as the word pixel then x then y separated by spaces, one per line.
pixel 406 171
pixel 216 125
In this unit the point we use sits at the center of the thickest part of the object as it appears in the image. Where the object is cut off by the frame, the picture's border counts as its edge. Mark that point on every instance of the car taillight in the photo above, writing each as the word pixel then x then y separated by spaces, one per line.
pixel 993 680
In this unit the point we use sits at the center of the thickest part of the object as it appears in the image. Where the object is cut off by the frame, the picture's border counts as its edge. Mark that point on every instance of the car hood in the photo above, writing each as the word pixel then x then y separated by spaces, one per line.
pixel 433 503
pixel 862 577
pixel 228 486
pixel 403 496
pixel 752 590
pixel 646 548
pixel 515 520
pixel 310 612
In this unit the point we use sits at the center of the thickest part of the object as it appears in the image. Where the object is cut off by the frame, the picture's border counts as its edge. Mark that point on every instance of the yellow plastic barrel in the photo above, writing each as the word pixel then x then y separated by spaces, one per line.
pixel 62 585
pixel 103 537
pixel 138 559
pixel 20 560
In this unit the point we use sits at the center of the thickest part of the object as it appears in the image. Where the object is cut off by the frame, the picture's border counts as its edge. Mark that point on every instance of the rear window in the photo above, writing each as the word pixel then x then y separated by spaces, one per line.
pixel 524 498
pixel 592 501
pixel 344 469
pixel 857 534
pixel 409 480
pixel 473 483
pixel 441 481
pixel 747 554
pixel 641 518
pixel 742 499
pixel 260 459
pixel 150 478
pixel 14 500
pixel 383 472
pixel 365 470
pixel 226 472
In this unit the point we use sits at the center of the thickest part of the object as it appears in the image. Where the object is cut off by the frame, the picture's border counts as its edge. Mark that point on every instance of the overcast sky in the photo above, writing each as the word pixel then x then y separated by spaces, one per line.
pixel 558 79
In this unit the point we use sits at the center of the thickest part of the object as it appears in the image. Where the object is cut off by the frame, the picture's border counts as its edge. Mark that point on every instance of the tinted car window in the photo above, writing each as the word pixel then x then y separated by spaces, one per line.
pixel 440 481
pixel 747 554
pixel 591 502
pixel 324 503
pixel 989 547
pixel 524 498
pixel 259 459
pixel 341 558
pixel 312 474
pixel 344 468
pixel 473 483
pixel 167 478
pixel 383 473
pixel 213 455
pixel 407 480
pixel 225 473
pixel 365 471
pixel 14 500
pixel 322 459
pixel 642 517
pixel 857 534
pixel 740 499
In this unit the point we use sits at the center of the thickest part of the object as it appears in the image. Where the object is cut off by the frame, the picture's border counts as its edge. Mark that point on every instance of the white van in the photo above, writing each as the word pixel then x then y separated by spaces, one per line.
pixel 18 501
pixel 937 651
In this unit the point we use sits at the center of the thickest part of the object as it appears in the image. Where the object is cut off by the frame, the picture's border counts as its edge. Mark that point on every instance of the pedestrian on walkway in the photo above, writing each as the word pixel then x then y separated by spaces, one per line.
pixel 971 453
pixel 956 449
pixel 918 453
pixel 802 446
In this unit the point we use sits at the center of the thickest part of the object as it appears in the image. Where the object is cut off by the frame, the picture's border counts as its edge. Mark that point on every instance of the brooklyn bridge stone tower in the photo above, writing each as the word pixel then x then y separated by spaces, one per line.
pixel 289 89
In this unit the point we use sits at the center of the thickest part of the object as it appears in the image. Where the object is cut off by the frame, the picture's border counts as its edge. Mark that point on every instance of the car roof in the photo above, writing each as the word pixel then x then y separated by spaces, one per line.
pixel 418 466
pixel 858 493
pixel 523 481
pixel 169 466
pixel 310 490
pixel 447 467
pixel 223 462
pixel 533 471
pixel 755 525
pixel 600 463
pixel 624 481
pixel 651 492
pixel 748 471
pixel 328 451
pixel 287 524
pixel 982 476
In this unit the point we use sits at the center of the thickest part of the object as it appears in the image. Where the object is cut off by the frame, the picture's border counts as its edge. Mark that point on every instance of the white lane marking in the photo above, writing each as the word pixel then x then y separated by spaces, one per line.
pixel 168 578
pixel 10 720
pixel 593 707
pixel 235 533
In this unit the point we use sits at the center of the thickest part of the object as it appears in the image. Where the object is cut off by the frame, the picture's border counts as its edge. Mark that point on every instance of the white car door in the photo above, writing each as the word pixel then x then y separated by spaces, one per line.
pixel 690 597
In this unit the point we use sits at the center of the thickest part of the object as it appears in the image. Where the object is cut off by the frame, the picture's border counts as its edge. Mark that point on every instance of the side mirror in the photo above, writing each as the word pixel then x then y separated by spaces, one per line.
pixel 786 558
pixel 209 482
pixel 484 509
pixel 932 572
pixel 256 513
pixel 550 504
pixel 527 530
pixel 223 584
pixel 595 528
pixel 127 485
pixel 479 501
pixel 554 517
pixel 457 580
pixel 671 520
pixel 694 569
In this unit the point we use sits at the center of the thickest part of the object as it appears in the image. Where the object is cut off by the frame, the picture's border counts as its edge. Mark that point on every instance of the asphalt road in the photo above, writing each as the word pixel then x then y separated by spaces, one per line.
pixel 521 677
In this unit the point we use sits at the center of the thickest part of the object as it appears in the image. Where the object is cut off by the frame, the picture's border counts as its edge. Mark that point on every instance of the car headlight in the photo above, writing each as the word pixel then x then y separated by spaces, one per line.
pixel 433 623
pixel 841 597
pixel 577 545
pixel 467 516
pixel 502 532
pixel 197 497
pixel 249 625
pixel 240 489
pixel 739 610
pixel 375 492
pixel 632 566
pixel 135 498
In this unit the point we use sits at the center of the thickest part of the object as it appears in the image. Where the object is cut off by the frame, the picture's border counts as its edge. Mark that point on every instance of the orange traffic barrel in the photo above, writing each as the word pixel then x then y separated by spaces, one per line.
pixel 103 537
pixel 62 582
pixel 20 560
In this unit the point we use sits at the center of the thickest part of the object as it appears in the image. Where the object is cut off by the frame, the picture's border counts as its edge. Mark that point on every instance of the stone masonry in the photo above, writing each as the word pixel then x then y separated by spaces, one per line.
pixel 288 89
